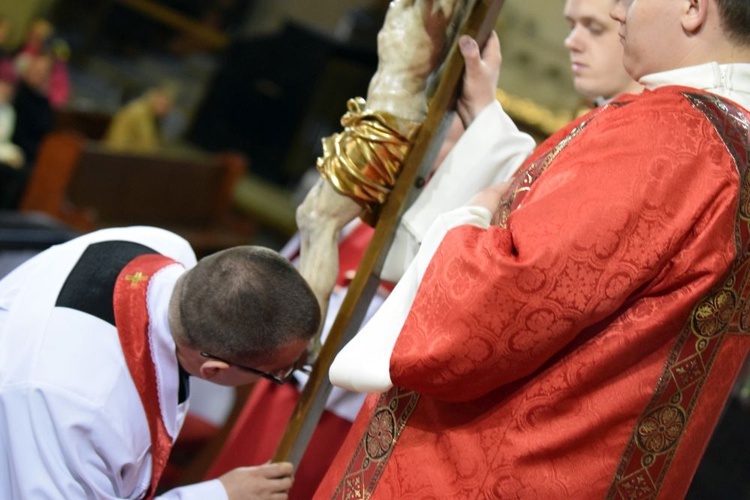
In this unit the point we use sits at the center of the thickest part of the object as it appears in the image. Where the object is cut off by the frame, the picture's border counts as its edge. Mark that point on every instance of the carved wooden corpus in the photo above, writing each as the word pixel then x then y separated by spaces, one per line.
pixel 477 20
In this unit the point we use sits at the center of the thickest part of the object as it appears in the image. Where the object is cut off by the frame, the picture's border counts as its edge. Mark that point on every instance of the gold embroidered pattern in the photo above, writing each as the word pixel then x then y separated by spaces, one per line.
pixel 380 434
pixel 136 278
pixel 637 486
pixel 371 456
pixel 656 437
pixel 744 317
pixel 713 315
pixel 660 429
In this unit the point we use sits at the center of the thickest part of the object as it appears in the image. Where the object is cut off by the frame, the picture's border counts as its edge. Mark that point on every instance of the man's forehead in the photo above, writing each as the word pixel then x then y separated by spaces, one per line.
pixel 588 10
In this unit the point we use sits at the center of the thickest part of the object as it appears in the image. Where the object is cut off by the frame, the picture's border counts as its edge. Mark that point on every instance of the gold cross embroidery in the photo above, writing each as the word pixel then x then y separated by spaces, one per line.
pixel 136 278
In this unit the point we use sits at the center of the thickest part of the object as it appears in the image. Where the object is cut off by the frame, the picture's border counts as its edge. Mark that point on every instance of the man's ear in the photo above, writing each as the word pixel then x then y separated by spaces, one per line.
pixel 211 368
pixel 694 15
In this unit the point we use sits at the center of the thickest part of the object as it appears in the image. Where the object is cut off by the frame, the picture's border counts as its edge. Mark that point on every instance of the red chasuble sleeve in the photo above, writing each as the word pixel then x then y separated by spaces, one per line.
pixel 628 217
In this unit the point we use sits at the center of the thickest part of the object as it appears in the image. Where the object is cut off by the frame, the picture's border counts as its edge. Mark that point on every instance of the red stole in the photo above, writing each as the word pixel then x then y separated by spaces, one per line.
pixel 132 321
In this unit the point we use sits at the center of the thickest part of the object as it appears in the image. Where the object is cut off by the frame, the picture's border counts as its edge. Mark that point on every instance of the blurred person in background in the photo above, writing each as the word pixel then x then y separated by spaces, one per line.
pixel 136 127
pixel 596 52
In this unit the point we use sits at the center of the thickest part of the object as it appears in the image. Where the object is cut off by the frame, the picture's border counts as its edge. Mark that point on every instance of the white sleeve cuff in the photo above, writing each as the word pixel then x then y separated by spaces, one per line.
pixel 208 489
pixel 488 152
pixel 363 364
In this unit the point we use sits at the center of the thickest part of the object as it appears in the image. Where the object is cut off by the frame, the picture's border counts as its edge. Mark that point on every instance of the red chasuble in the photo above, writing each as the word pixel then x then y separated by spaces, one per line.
pixel 583 346
pixel 132 321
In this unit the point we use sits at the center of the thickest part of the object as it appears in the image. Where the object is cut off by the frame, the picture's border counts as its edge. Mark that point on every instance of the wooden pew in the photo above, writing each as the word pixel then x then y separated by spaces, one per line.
pixel 89 187
pixel 91 124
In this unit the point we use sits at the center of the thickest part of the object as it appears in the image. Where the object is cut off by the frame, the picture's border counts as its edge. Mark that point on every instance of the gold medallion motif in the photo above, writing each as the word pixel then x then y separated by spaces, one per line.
pixel 714 314
pixel 661 429
pixel 380 434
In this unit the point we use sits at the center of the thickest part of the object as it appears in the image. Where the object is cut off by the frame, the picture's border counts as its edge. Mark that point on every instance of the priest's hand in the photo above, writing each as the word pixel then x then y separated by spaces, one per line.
pixel 262 482
pixel 480 76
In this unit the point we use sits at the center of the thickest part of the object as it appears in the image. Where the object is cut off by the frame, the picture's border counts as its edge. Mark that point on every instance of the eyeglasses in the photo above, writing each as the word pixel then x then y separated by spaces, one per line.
pixel 279 376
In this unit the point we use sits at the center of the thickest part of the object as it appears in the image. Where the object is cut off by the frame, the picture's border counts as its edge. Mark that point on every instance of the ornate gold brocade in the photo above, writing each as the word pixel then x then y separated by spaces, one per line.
pixel 136 278
pixel 388 420
pixel 363 161
pixel 722 312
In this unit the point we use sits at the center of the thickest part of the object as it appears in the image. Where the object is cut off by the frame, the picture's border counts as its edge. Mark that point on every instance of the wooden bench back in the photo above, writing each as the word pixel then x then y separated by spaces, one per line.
pixel 46 189
pixel 154 190
pixel 89 187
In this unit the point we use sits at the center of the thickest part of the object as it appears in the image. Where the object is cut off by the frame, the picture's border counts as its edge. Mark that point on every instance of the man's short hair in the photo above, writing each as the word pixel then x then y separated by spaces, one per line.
pixel 735 18
pixel 246 302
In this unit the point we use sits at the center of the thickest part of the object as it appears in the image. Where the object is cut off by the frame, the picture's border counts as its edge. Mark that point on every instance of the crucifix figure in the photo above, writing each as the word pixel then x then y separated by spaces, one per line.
pixel 359 166
pixel 395 133
pixel 392 134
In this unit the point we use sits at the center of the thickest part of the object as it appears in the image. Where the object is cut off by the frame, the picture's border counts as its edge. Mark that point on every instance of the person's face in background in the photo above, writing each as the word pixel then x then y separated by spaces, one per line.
pixel 39 31
pixel 595 50
pixel 36 72
pixel 161 103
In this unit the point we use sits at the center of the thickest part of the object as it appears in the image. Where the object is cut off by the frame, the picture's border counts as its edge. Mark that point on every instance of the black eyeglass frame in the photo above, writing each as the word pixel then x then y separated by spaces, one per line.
pixel 280 377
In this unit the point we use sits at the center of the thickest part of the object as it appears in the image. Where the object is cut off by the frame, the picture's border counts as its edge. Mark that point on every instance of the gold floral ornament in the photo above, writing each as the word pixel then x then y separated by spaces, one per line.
pixel 363 161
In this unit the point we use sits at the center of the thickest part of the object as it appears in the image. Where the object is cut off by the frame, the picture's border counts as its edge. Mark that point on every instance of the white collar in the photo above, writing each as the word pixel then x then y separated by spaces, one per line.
pixel 727 80
pixel 163 346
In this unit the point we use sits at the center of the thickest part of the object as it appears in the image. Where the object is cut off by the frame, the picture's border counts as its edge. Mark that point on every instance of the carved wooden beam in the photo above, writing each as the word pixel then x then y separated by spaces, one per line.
pixel 211 37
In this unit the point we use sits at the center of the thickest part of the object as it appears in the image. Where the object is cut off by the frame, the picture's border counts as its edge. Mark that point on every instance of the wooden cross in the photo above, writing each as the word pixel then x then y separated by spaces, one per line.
pixel 478 21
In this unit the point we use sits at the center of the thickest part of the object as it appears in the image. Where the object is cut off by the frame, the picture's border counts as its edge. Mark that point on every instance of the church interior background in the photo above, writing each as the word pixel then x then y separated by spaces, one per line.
pixel 270 78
